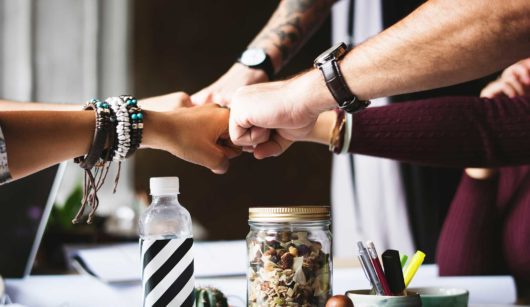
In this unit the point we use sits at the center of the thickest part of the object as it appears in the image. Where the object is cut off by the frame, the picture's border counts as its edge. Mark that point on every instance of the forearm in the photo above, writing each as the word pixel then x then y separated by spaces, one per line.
pixel 34 106
pixel 38 139
pixel 443 42
pixel 293 22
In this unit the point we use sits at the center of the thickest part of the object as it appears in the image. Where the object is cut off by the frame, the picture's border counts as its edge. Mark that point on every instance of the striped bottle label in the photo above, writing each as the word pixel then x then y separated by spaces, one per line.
pixel 167 272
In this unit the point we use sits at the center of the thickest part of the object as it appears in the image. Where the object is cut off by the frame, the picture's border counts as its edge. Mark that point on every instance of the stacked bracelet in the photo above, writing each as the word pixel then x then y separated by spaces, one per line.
pixel 119 124
pixel 94 181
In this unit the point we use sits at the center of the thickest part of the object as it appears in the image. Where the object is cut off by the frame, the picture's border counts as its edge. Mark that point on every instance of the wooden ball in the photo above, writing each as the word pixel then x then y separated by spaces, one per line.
pixel 339 301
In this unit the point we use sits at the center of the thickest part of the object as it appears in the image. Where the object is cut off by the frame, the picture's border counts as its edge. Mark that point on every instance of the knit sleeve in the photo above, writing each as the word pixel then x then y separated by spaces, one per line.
pixel 448 131
pixel 5 176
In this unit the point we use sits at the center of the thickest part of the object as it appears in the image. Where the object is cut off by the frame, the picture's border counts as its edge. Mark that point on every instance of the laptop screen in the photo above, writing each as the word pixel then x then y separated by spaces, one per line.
pixel 25 205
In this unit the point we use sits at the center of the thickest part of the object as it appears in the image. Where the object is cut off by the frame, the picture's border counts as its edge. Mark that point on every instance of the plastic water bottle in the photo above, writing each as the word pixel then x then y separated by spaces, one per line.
pixel 166 248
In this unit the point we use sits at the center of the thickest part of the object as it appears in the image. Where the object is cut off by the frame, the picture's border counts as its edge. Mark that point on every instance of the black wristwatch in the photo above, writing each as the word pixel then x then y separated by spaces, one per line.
pixel 257 58
pixel 327 62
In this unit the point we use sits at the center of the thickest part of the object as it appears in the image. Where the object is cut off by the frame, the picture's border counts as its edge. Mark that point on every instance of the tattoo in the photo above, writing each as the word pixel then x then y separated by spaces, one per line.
pixel 299 6
pixel 293 20
pixel 284 50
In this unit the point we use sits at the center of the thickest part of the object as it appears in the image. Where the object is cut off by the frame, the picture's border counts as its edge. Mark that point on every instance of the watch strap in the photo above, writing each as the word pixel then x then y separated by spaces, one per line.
pixel 266 66
pixel 339 89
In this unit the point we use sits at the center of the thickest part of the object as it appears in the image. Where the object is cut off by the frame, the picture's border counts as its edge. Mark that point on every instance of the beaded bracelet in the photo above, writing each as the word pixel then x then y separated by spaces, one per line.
pixel 136 119
pixel 123 128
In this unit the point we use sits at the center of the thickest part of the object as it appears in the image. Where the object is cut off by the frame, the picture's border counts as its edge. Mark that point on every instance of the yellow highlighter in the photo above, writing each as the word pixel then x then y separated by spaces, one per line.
pixel 412 267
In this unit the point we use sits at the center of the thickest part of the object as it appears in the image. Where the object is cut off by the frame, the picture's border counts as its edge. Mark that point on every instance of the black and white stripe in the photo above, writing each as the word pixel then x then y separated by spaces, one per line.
pixel 167 272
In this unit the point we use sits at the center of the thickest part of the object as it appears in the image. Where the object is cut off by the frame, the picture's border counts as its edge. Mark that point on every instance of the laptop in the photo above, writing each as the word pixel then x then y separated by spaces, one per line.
pixel 25 207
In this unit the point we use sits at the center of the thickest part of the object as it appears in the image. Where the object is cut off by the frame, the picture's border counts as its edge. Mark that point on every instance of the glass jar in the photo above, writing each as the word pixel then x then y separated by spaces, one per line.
pixel 289 256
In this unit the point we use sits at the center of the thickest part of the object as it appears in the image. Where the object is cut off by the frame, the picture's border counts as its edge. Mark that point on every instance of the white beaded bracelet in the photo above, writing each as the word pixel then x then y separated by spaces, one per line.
pixel 123 127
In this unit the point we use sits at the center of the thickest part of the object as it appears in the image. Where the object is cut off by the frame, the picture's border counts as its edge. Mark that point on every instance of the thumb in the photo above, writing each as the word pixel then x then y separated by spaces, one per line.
pixel 201 97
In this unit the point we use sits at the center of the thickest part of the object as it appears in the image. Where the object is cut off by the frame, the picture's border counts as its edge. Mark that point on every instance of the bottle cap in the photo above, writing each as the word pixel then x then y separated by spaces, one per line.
pixel 164 185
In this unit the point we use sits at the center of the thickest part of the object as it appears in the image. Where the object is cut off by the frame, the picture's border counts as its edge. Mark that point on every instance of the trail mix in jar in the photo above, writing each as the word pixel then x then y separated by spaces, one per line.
pixel 287 269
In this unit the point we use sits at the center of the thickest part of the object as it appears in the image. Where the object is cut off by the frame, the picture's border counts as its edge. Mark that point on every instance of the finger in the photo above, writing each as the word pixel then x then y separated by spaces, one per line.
pixel 229 149
pixel 492 89
pixel 218 161
pixel 522 73
pixel 273 148
pixel 200 97
pixel 187 103
pixel 219 99
pixel 231 152
pixel 517 85
pixel 508 90
pixel 248 149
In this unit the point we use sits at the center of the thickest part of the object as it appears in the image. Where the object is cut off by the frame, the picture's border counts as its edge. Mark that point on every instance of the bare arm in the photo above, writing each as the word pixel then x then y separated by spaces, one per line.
pixel 36 139
pixel 441 43
pixel 34 106
pixel 291 25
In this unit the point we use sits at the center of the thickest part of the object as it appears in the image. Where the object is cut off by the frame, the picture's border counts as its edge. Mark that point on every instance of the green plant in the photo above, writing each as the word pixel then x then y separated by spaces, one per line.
pixel 209 297
pixel 62 215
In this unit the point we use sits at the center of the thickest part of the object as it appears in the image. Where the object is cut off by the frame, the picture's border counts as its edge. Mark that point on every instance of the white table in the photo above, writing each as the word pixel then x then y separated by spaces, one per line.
pixel 83 290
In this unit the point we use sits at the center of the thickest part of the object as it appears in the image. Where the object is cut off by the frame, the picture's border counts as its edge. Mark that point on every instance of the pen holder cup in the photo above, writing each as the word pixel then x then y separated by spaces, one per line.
pixel 363 298
pixel 442 297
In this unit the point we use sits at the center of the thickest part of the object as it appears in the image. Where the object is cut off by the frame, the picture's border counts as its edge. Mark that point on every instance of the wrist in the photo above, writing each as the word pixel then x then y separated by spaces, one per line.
pixel 154 126
pixel 248 74
pixel 321 132
pixel 310 89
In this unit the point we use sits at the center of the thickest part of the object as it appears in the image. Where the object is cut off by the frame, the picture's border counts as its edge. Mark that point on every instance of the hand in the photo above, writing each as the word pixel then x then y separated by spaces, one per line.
pixel 196 134
pixel 514 81
pixel 167 102
pixel 276 105
pixel 222 90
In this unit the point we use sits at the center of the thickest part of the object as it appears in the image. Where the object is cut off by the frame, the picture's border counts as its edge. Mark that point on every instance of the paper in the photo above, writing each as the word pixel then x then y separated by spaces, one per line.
pixel 121 263
pixel 65 290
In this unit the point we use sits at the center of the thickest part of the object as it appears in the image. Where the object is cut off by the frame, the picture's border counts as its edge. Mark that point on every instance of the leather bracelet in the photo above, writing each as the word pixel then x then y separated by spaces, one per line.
pixel 335 142
pixel 346 135
pixel 103 128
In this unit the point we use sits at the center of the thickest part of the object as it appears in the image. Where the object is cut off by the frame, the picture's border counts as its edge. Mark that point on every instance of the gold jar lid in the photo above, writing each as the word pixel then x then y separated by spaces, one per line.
pixel 289 214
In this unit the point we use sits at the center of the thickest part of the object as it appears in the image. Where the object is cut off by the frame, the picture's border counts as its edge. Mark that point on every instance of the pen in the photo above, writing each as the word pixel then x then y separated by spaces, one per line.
pixel 377 266
pixel 393 271
pixel 413 267
pixel 404 259
pixel 367 263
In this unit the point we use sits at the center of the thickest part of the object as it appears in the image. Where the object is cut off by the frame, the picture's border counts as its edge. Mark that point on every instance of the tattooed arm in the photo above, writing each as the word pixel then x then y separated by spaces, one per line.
pixel 293 22
pixel 291 25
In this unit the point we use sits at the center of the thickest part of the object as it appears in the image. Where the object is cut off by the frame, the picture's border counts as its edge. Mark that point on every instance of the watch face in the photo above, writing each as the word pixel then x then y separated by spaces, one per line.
pixel 253 57
pixel 335 52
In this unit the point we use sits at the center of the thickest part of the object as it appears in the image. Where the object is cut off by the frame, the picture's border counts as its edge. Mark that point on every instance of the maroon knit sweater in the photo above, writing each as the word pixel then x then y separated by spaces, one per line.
pixel 487 230
pixel 449 131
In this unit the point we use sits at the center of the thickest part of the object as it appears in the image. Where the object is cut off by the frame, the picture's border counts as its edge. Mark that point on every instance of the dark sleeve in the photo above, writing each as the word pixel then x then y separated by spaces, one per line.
pixel 448 131
pixel 471 239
